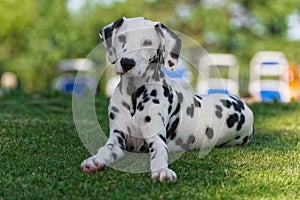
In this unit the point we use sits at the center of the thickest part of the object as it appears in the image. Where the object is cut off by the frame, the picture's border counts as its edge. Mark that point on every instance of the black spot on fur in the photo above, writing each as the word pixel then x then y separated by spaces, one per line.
pixel 143 148
pixel 178 141
pixel 209 133
pixel 176 110
pixel 134 97
pixel 147 119
pixel 123 45
pixel 146 100
pixel 147 43
pixel 245 140
pixel 140 106
pixel 139 91
pixel 168 94
pixel 237 137
pixel 236 107
pixel 156 101
pixel 163 138
pixel 112 116
pixel 118 23
pixel 170 99
pixel 238 101
pixel 157 71
pixel 116 131
pixel 219 111
pixel 190 110
pixel 107 33
pixel 219 108
pixel 114 155
pixel 197 103
pixel 126 105
pixel 226 103
pixel 166 91
pixel 171 132
pixel 232 119
pixel 179 96
pixel 157 28
pixel 110 146
pixel 155 59
pixel 169 109
pixel 121 142
pixel 150 145
pixel 176 49
pixel 121 138
pixel 145 94
pixel 153 154
pixel 241 122
pixel 153 93
pixel 219 114
pixel 114 109
pixel 191 139
pixel 198 96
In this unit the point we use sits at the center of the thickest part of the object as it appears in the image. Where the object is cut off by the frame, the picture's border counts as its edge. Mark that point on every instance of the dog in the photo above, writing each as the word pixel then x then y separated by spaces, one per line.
pixel 150 113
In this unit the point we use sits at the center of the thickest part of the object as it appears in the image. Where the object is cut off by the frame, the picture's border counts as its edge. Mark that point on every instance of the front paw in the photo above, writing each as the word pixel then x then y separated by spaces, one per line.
pixel 165 174
pixel 92 165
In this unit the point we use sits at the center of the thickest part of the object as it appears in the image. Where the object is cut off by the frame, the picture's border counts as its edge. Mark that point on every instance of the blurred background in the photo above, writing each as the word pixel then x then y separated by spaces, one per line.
pixel 36 35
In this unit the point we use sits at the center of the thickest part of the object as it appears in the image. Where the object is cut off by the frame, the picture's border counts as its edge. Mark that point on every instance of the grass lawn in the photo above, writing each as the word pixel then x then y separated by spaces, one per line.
pixel 40 155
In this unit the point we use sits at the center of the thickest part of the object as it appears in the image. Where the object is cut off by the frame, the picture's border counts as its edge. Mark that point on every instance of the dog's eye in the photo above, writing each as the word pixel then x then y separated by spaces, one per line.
pixel 147 43
pixel 121 38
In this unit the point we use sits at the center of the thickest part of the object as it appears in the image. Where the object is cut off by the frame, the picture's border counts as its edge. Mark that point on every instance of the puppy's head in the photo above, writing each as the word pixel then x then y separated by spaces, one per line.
pixel 132 43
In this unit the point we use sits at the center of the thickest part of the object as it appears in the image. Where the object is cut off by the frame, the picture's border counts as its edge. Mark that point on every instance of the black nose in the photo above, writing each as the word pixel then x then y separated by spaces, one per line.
pixel 127 64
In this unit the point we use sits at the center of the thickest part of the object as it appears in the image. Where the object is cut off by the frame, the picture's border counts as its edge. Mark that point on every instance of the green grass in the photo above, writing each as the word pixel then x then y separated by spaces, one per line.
pixel 40 154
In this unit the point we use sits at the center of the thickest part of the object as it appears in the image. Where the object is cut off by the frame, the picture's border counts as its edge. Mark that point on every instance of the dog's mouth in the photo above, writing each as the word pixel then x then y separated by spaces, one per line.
pixel 120 73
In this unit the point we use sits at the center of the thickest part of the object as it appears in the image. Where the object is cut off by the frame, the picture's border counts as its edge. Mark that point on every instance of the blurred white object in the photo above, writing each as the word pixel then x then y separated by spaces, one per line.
pixel 9 80
pixel 111 85
pixel 269 77
pixel 213 80
pixel 76 76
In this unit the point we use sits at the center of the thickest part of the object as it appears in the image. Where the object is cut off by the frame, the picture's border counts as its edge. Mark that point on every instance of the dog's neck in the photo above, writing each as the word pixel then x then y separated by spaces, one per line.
pixel 152 75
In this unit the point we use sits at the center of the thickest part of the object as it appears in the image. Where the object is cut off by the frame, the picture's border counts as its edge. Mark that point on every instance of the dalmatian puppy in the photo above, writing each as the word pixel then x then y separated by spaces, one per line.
pixel 150 113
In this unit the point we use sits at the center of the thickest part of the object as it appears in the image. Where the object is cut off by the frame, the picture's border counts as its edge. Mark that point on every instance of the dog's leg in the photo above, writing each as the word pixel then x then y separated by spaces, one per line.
pixel 159 158
pixel 107 154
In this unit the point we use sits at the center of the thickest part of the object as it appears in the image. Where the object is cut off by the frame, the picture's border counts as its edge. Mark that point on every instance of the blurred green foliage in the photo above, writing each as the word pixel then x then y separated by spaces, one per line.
pixel 35 35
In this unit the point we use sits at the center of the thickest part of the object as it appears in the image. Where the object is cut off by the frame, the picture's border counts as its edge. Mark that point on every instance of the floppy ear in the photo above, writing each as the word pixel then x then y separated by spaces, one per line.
pixel 171 45
pixel 107 35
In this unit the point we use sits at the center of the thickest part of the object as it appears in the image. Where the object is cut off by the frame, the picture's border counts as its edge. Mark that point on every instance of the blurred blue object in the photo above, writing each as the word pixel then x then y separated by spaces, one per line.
pixel 270 96
pixel 269 71
pixel 75 77
pixel 211 91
